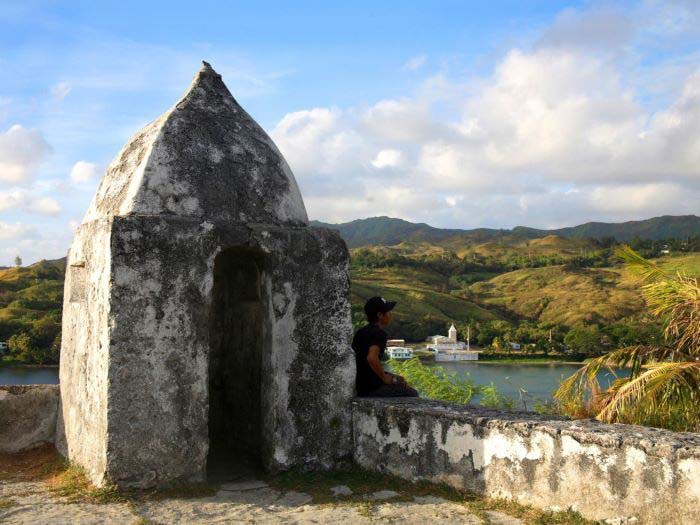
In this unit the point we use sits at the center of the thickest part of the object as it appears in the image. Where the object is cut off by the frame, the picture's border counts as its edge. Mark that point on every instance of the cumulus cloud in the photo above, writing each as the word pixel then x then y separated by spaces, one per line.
pixel 604 28
pixel 672 17
pixel 24 200
pixel 45 206
pixel 32 243
pixel 9 231
pixel 388 158
pixel 554 135
pixel 414 63
pixel 83 171
pixel 22 150
pixel 10 200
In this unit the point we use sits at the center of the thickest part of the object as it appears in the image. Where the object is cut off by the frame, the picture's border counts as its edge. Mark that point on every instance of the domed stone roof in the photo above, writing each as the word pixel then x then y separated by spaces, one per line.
pixel 205 157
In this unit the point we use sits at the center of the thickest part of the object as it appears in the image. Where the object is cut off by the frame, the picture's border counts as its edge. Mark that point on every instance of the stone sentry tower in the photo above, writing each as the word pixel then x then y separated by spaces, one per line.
pixel 203 319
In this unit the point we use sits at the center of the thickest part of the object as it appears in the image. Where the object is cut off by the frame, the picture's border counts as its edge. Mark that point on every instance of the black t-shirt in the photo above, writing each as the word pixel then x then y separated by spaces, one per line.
pixel 366 380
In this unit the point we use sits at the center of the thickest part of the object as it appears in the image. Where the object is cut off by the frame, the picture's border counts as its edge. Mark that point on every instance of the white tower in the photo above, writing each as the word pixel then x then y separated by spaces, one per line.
pixel 452 334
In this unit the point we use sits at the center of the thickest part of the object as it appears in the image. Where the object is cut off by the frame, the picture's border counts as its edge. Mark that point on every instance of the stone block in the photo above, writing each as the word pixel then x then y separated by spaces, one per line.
pixel 27 416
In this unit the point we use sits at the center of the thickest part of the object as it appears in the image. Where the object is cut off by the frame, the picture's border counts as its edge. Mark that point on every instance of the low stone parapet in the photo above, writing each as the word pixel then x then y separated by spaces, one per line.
pixel 27 416
pixel 617 472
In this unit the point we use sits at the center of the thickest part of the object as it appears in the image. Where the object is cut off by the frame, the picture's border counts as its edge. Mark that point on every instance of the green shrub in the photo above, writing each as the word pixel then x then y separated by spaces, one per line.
pixel 434 382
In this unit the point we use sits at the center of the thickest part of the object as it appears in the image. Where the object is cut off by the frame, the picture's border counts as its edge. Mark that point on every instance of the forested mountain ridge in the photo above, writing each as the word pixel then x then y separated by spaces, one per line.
pixel 388 231
pixel 503 286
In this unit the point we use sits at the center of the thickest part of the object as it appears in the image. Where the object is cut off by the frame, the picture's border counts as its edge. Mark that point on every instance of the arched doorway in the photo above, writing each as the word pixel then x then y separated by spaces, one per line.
pixel 236 335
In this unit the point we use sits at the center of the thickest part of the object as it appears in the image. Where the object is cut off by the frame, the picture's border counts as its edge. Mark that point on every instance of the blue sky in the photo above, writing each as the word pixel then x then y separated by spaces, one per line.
pixel 460 114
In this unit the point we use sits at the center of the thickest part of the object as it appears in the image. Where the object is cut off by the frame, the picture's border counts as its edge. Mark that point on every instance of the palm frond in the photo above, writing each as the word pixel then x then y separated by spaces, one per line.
pixel 639 265
pixel 663 387
pixel 653 387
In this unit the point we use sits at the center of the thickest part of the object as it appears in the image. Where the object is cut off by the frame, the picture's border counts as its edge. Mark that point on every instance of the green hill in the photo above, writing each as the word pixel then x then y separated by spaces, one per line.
pixel 435 287
pixel 425 305
pixel 31 299
pixel 562 295
pixel 434 284
pixel 387 231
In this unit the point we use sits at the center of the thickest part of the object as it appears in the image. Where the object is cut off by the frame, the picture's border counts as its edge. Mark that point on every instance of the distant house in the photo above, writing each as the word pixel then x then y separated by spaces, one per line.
pixel 3 348
pixel 451 337
pixel 399 352
pixel 449 349
pixel 515 346
pixel 396 342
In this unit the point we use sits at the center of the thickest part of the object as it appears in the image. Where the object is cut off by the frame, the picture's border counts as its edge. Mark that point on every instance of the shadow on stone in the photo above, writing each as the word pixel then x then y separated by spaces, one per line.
pixel 235 366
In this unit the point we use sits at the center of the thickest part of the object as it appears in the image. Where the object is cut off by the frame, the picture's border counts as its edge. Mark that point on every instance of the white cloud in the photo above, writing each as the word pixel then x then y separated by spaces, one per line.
pixel 414 63
pixel 21 152
pixel 672 17
pixel 60 91
pixel 83 171
pixel 24 200
pixel 604 28
pixel 50 241
pixel 388 158
pixel 403 120
pixel 553 136
pixel 45 206
pixel 16 231
pixel 10 200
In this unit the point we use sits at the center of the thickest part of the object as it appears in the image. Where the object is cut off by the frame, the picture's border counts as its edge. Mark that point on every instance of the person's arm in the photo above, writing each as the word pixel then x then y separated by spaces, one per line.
pixel 376 365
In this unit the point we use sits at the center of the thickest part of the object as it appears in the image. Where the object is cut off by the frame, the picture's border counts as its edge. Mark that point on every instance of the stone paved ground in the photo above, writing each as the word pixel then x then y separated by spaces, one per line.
pixel 34 503
pixel 29 494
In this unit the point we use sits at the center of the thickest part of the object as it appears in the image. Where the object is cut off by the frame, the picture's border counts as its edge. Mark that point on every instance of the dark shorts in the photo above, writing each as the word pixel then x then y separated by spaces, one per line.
pixel 394 390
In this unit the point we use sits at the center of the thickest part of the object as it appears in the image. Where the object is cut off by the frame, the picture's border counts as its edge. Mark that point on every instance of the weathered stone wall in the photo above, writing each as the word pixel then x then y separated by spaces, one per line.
pixel 603 471
pixel 84 347
pixel 27 416
pixel 151 406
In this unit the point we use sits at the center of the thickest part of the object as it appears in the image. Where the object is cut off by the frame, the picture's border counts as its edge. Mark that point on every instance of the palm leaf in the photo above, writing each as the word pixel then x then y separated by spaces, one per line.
pixel 663 388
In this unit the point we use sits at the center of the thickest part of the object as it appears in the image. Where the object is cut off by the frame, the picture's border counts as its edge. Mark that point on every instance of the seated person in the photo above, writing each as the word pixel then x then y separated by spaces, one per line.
pixel 369 345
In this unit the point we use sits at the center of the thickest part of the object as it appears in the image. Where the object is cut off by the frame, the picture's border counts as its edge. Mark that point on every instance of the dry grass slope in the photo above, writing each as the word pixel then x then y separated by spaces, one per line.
pixel 570 296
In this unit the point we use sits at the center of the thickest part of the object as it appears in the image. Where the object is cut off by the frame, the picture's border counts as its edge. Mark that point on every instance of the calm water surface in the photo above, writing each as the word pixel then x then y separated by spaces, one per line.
pixel 527 381
pixel 17 375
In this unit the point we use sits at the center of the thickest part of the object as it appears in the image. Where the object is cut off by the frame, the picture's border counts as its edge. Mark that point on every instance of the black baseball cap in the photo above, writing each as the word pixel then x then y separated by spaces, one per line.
pixel 378 304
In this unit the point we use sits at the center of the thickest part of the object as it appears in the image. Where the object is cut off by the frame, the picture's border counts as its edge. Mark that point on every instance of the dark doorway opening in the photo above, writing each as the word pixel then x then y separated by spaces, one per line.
pixel 235 364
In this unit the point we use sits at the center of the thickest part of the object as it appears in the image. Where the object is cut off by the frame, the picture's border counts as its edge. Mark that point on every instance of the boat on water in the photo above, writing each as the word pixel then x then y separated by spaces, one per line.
pixel 399 352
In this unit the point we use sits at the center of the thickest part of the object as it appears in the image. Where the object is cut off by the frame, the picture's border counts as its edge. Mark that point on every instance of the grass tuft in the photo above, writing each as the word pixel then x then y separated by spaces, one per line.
pixel 74 485
pixel 529 514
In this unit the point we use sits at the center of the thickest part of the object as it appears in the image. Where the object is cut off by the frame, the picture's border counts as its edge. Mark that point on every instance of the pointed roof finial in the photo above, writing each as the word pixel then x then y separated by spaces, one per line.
pixel 205 157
